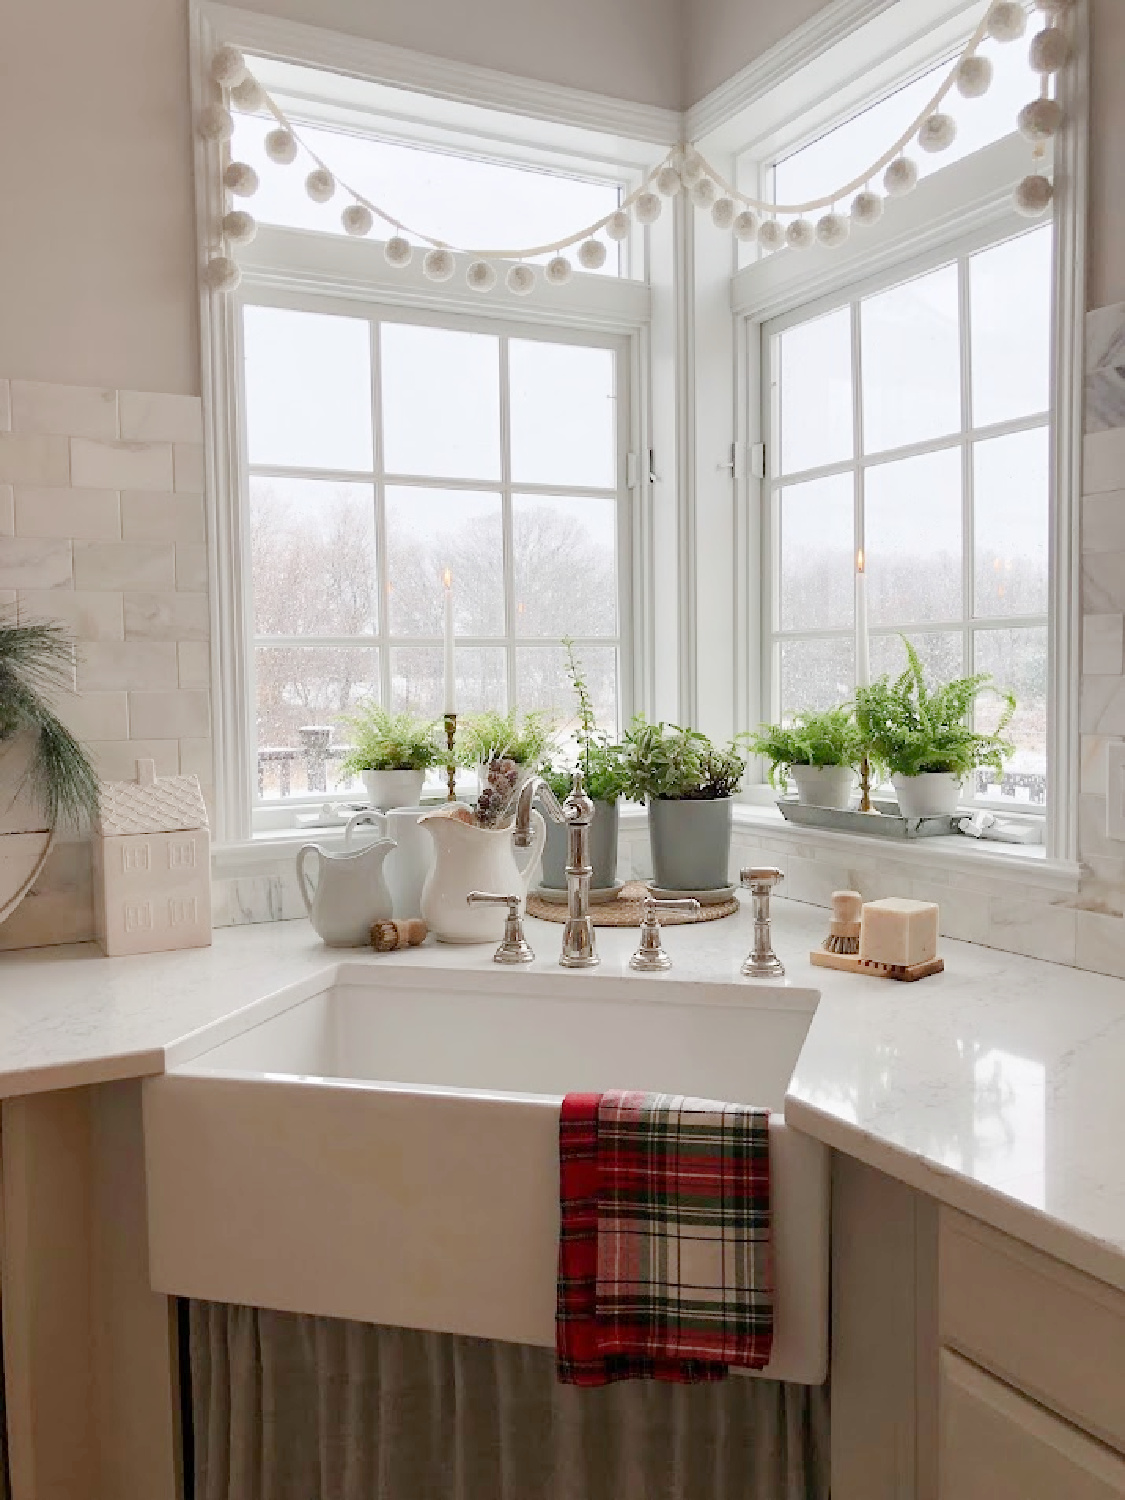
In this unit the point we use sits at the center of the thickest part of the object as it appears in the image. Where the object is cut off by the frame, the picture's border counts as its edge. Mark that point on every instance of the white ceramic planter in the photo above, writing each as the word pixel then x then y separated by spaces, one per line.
pixel 935 794
pixel 387 789
pixel 824 786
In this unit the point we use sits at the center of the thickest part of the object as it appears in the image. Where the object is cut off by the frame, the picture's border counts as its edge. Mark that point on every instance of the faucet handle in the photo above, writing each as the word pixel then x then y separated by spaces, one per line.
pixel 650 957
pixel 761 879
pixel 514 949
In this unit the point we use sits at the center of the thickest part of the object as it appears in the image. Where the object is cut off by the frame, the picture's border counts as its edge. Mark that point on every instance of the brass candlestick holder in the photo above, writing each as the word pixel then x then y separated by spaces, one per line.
pixel 451 764
pixel 865 787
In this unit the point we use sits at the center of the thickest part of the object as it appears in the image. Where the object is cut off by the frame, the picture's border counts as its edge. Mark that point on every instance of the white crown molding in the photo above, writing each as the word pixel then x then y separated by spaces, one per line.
pixel 378 62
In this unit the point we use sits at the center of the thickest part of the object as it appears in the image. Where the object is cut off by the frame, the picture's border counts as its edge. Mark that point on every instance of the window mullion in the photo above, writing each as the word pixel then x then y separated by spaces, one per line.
pixel 506 514
pixel 382 624
pixel 968 529
pixel 860 515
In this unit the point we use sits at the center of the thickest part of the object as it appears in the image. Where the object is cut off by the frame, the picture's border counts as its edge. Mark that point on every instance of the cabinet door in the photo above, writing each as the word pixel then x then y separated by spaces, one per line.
pixel 997 1445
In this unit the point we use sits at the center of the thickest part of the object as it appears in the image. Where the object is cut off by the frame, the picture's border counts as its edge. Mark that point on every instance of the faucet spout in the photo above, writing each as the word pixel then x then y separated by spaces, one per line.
pixel 534 789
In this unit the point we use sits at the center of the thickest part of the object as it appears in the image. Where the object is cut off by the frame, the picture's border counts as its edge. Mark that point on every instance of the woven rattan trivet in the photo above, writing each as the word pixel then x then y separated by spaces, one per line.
pixel 628 909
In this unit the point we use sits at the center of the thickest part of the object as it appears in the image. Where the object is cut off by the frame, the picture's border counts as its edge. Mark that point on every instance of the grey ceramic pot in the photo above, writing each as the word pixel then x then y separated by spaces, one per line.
pixel 690 843
pixel 603 850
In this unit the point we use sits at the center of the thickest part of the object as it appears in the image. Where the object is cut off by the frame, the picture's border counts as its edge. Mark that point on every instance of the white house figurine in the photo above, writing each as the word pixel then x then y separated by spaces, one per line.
pixel 152 860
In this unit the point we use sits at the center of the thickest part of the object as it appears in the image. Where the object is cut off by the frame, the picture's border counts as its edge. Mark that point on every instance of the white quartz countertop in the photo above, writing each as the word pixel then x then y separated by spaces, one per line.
pixel 997 1087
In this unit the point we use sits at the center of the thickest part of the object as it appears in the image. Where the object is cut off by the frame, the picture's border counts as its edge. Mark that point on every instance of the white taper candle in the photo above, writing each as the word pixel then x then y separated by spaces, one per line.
pixel 450 682
pixel 862 642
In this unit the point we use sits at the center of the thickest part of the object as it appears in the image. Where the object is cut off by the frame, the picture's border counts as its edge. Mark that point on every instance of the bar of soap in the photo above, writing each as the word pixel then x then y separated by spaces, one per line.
pixel 897 931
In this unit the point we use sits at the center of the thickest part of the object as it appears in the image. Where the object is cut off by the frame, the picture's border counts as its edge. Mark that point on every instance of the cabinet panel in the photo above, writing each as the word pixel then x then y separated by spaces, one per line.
pixel 997 1445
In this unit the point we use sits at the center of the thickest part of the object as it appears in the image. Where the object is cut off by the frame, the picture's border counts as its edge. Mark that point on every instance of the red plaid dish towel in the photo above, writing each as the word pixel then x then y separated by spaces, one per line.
pixel 664 1249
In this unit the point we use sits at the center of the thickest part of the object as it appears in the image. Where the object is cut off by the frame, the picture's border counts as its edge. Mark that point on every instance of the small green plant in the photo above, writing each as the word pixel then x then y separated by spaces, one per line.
pixel 491 735
pixel 599 758
pixel 668 761
pixel 386 741
pixel 828 737
pixel 37 663
pixel 911 729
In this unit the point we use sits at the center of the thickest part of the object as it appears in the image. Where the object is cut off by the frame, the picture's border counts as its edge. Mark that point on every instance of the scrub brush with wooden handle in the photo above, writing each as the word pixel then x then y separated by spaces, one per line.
pixel 843 929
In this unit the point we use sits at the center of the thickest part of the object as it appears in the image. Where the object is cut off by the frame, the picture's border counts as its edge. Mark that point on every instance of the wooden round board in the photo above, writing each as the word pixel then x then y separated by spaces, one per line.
pixel 628 910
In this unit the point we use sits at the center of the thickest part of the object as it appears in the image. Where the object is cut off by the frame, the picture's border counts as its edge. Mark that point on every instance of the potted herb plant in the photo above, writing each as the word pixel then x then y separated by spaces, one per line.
pixel 819 750
pixel 922 737
pixel 689 787
pixel 391 754
pixel 46 777
pixel 604 777
pixel 523 738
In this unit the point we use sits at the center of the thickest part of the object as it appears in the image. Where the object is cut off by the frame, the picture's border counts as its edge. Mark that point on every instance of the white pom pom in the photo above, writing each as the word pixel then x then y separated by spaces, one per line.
pixel 800 234
pixel 691 168
pixel 771 236
pixel 357 220
pixel 704 193
pixel 668 182
pixel 558 270
pixel 281 146
pixel 1033 196
pixel 900 177
pixel 746 226
pixel 521 280
pixel 438 264
pixel 722 213
pixel 648 208
pixel 832 230
pixel 480 275
pixel 974 76
pixel 619 225
pixel 398 252
pixel 1040 120
pixel 1049 51
pixel 249 96
pixel 228 67
pixel 937 133
pixel 241 179
pixel 221 274
pixel 320 184
pixel 1007 21
pixel 591 255
pixel 215 123
pixel 867 208
pixel 239 226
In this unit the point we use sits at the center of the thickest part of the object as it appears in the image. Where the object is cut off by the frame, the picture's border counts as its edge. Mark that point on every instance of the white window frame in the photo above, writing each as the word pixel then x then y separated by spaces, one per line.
pixel 289 267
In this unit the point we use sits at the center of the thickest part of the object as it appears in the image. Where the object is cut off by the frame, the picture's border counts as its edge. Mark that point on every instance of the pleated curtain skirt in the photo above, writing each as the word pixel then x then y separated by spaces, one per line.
pixel 287 1407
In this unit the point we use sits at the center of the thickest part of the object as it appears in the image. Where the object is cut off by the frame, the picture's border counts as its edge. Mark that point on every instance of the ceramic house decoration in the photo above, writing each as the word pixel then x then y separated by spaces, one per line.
pixel 152 858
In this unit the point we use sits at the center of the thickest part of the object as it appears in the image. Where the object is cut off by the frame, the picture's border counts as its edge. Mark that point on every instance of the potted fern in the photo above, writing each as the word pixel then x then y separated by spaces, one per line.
pixel 487 738
pixel 689 786
pixel 818 750
pixel 921 735
pixel 604 777
pixel 391 754
pixel 46 778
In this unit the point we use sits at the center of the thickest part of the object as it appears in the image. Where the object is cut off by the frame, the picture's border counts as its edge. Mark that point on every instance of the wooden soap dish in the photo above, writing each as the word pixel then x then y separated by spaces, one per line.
pixel 851 963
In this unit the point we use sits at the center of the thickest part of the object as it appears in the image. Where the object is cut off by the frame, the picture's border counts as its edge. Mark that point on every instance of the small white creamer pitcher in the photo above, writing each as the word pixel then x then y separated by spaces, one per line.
pixel 408 866
pixel 350 894
pixel 470 858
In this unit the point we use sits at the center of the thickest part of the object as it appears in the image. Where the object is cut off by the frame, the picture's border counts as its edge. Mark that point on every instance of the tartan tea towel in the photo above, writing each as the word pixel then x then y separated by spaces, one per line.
pixel 664 1254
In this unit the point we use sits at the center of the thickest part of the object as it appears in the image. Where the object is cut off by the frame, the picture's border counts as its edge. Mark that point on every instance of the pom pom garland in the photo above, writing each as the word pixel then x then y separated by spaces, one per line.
pixel 746 226
pixel 240 179
pixel 215 123
pixel 221 274
pixel 704 192
pixel 722 213
pixel 480 275
pixel 867 207
pixel 228 67
pixel 800 234
pixel 1033 196
pixel 320 185
pixel 619 225
pixel 438 264
pixel 281 146
pixel 668 182
pixel 1040 120
pixel 832 230
pixel 937 133
pixel 398 252
pixel 974 76
pixel 648 208
pixel 1007 21
pixel 357 220
pixel 1049 51
pixel 239 226
pixel 771 236
pixel 248 96
pixel 591 255
pixel 521 280
pixel 558 270
pixel 691 168
pixel 900 177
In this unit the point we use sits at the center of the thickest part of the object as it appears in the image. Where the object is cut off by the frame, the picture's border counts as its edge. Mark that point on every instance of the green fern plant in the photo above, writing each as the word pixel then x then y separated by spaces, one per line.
pixel 828 737
pixel 911 729
pixel 36 663
pixel 386 741
pixel 491 735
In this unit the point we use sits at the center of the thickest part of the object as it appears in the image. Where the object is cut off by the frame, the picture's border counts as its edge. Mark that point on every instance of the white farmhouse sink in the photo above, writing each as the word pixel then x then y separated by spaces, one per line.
pixel 383 1144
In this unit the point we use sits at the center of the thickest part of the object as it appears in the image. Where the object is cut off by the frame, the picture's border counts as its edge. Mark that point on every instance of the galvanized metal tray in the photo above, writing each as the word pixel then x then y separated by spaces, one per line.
pixel 886 823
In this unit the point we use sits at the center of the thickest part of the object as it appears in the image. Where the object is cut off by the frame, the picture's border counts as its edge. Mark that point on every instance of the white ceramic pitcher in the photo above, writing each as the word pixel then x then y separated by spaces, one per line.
pixel 469 858
pixel 350 894
pixel 406 869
